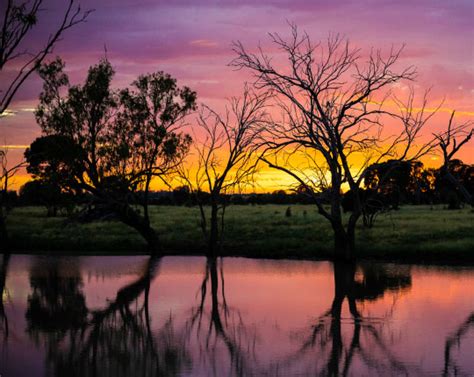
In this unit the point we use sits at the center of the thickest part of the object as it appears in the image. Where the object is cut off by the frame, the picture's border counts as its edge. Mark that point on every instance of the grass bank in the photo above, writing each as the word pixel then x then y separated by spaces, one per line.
pixel 413 233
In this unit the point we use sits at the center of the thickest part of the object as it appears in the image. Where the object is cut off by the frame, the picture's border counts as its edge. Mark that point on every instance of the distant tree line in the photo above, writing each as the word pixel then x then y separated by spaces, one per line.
pixel 410 184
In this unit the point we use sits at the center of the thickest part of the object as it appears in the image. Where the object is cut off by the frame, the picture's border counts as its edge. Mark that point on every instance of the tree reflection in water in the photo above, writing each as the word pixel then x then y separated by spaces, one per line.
pixel 214 337
pixel 450 366
pixel 333 353
pixel 114 341
pixel 4 330
pixel 219 325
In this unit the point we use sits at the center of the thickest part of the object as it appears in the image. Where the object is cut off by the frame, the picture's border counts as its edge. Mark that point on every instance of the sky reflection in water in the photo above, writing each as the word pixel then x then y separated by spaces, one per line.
pixel 182 316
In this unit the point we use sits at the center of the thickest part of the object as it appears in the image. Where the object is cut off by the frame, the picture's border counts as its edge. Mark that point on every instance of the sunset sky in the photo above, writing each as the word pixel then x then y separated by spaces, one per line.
pixel 191 40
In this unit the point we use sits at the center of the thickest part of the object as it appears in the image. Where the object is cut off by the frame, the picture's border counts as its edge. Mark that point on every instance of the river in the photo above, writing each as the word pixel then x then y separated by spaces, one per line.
pixel 187 316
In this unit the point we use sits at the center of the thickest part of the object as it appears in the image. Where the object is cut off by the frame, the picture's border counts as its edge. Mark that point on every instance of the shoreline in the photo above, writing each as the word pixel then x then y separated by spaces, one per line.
pixel 438 260
pixel 414 234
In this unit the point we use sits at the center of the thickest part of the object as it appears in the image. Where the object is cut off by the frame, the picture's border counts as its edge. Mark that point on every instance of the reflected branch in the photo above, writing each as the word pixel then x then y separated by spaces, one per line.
pixel 335 356
pixel 114 341
pixel 450 366
pixel 3 292
pixel 225 323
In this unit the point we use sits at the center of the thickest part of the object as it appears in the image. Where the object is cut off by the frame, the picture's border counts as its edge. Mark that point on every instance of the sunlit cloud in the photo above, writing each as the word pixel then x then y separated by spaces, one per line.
pixel 11 112
pixel 8 113
pixel 192 41
pixel 203 43
pixel 13 146
pixel 428 110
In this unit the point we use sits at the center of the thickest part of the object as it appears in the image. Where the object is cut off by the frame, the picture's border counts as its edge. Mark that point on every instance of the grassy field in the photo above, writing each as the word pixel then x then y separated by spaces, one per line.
pixel 418 233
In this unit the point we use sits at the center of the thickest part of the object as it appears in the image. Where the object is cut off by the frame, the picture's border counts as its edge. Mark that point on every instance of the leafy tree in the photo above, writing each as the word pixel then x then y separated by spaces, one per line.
pixel 454 183
pixel 54 158
pixel 53 161
pixel 397 181
pixel 44 193
pixel 150 119
pixel 449 143
pixel 19 21
pixel 113 141
pixel 181 195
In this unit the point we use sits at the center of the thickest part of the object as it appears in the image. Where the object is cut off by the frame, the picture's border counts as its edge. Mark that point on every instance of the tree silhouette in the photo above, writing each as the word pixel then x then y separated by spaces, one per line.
pixel 38 192
pixel 215 323
pixel 50 160
pixel 225 159
pixel 387 185
pixel 450 142
pixel 153 111
pixel 19 20
pixel 332 104
pixel 6 174
pixel 113 143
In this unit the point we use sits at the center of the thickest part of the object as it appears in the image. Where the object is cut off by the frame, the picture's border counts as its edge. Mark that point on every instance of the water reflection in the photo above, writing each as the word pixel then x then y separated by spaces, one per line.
pixel 232 317
pixel 56 304
pixel 114 341
pixel 4 296
pixel 451 368
pixel 365 342
pixel 222 323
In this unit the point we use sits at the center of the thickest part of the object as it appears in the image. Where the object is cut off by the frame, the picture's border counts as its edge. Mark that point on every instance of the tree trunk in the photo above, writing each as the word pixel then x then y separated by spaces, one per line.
pixel 344 243
pixel 145 199
pixel 3 235
pixel 344 240
pixel 130 217
pixel 214 232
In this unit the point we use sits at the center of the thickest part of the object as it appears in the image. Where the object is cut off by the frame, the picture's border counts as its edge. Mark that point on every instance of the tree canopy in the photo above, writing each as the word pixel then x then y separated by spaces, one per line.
pixel 109 142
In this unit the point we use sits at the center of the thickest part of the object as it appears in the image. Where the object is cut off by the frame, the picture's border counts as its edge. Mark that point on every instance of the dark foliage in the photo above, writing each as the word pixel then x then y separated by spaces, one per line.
pixel 107 143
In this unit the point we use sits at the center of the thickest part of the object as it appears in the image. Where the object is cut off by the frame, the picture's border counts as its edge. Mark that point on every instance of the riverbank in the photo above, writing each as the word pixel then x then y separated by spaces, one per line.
pixel 413 233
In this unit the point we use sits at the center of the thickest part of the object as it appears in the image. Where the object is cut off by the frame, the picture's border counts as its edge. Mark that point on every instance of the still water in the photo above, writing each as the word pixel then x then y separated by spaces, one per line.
pixel 185 316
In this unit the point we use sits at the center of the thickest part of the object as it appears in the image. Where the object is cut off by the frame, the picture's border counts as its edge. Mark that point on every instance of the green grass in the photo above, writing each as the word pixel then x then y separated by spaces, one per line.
pixel 418 233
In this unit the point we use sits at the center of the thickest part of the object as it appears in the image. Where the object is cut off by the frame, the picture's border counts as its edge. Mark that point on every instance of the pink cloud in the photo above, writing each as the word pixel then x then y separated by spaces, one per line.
pixel 192 41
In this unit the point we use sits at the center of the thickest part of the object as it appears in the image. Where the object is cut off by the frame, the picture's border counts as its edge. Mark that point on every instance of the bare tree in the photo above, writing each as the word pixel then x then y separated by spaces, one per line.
pixel 6 175
pixel 450 142
pixel 333 106
pixel 225 158
pixel 19 21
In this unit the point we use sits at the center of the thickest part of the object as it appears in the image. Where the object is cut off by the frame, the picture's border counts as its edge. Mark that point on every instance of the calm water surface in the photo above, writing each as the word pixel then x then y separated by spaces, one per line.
pixel 185 316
